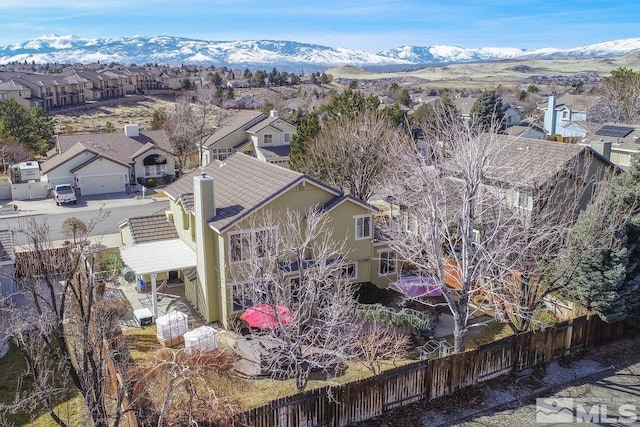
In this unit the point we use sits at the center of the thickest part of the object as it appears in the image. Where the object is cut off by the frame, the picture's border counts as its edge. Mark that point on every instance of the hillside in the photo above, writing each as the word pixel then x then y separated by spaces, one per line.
pixel 514 71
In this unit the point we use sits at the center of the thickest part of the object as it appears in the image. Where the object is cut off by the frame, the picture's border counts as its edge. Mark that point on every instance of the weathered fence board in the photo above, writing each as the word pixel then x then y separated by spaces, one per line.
pixel 367 398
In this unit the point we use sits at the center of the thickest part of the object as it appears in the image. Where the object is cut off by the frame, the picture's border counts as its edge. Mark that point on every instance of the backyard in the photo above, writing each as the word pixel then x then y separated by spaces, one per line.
pixel 247 393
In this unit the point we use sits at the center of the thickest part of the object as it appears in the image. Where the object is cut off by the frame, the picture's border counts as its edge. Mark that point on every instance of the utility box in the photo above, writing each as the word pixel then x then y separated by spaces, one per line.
pixel 143 317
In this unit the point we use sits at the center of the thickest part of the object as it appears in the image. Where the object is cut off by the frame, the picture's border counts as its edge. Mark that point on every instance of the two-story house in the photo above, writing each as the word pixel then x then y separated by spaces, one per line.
pixel 560 119
pixel 212 213
pixel 265 137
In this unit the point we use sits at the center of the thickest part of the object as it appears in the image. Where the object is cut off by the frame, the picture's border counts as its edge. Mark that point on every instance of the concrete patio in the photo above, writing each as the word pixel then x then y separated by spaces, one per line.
pixel 171 299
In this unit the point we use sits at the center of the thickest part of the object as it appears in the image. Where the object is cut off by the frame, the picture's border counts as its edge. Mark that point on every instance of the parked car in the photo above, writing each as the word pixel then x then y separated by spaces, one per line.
pixel 64 194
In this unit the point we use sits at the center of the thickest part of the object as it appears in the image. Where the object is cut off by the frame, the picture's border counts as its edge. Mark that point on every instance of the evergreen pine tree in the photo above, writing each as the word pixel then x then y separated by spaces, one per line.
pixel 607 278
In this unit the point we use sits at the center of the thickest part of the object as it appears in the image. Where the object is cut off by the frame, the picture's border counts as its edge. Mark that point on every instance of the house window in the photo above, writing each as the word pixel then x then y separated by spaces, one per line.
pixel 349 271
pixel 287 138
pixel 268 139
pixel 222 153
pixel 243 244
pixel 363 227
pixel 241 296
pixel 386 262
pixel 155 165
pixel 525 201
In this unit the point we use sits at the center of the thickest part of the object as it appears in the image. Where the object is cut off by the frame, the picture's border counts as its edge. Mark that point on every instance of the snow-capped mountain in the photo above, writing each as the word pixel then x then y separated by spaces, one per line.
pixel 453 54
pixel 261 53
pixel 178 50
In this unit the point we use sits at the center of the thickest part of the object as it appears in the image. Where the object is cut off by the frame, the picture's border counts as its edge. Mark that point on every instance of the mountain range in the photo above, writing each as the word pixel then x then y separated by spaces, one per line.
pixel 275 53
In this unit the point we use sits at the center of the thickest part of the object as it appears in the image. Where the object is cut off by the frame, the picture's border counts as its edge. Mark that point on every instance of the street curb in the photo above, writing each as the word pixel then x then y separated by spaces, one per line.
pixel 519 400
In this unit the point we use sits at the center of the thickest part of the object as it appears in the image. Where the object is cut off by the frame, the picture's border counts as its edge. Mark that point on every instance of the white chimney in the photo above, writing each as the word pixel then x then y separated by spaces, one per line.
pixel 550 116
pixel 273 113
pixel 204 197
pixel 131 130
pixel 204 210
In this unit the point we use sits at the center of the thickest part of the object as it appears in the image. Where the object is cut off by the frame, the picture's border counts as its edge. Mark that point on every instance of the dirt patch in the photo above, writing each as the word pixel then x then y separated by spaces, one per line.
pixel 93 120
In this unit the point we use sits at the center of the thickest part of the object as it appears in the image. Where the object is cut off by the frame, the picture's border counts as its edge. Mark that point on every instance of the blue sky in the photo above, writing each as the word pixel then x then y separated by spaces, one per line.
pixel 366 25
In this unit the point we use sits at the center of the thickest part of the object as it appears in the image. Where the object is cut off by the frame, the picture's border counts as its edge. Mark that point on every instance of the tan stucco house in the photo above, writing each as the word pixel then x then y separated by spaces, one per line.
pixel 254 133
pixel 210 217
pixel 109 162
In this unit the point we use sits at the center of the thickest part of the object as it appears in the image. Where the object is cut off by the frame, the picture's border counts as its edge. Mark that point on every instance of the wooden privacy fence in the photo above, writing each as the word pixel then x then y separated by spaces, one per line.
pixel 370 397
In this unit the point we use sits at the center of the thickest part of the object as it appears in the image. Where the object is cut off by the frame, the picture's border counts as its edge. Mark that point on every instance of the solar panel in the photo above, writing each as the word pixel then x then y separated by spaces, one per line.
pixel 614 131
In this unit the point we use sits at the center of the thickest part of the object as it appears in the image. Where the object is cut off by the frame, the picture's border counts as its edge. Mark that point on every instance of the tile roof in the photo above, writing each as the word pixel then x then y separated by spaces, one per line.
pixel 268 121
pixel 114 146
pixel 94 159
pixel 275 151
pixel 59 159
pixel 242 184
pixel 524 161
pixel 7 245
pixel 242 120
pixel 145 229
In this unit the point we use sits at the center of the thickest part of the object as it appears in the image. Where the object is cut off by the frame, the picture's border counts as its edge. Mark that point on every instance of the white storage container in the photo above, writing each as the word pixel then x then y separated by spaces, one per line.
pixel 171 327
pixel 202 338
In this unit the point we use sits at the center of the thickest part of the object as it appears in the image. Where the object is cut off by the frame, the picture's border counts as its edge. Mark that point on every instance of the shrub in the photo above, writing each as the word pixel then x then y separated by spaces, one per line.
pixel 150 182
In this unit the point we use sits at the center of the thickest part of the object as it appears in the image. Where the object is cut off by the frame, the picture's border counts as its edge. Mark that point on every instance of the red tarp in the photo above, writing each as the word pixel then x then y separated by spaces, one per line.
pixel 265 316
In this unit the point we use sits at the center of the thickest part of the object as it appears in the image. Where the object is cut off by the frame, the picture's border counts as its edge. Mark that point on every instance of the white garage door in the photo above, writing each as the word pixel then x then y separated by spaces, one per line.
pixel 102 184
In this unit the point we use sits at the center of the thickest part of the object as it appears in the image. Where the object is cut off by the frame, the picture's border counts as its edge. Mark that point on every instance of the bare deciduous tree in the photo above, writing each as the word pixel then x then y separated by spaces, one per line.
pixel 182 384
pixel 63 327
pixel 351 153
pixel 297 262
pixel 618 98
pixel 12 152
pixel 480 223
pixel 378 343
pixel 182 131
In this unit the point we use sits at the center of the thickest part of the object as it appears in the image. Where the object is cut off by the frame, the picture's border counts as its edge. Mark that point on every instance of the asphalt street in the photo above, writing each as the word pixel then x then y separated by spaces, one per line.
pixel 116 208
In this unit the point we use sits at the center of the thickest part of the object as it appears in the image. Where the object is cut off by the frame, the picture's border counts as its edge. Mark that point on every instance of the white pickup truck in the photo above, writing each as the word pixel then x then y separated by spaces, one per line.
pixel 64 194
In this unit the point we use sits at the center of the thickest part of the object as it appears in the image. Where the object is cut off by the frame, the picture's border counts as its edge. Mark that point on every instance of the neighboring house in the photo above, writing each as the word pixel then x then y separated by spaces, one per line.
pixel 526 174
pixel 267 138
pixel 621 142
pixel 511 116
pixel 109 162
pixel 561 161
pixel 12 89
pixel 524 130
pixel 47 90
pixel 238 83
pixel 464 106
pixel 213 211
pixel 562 120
